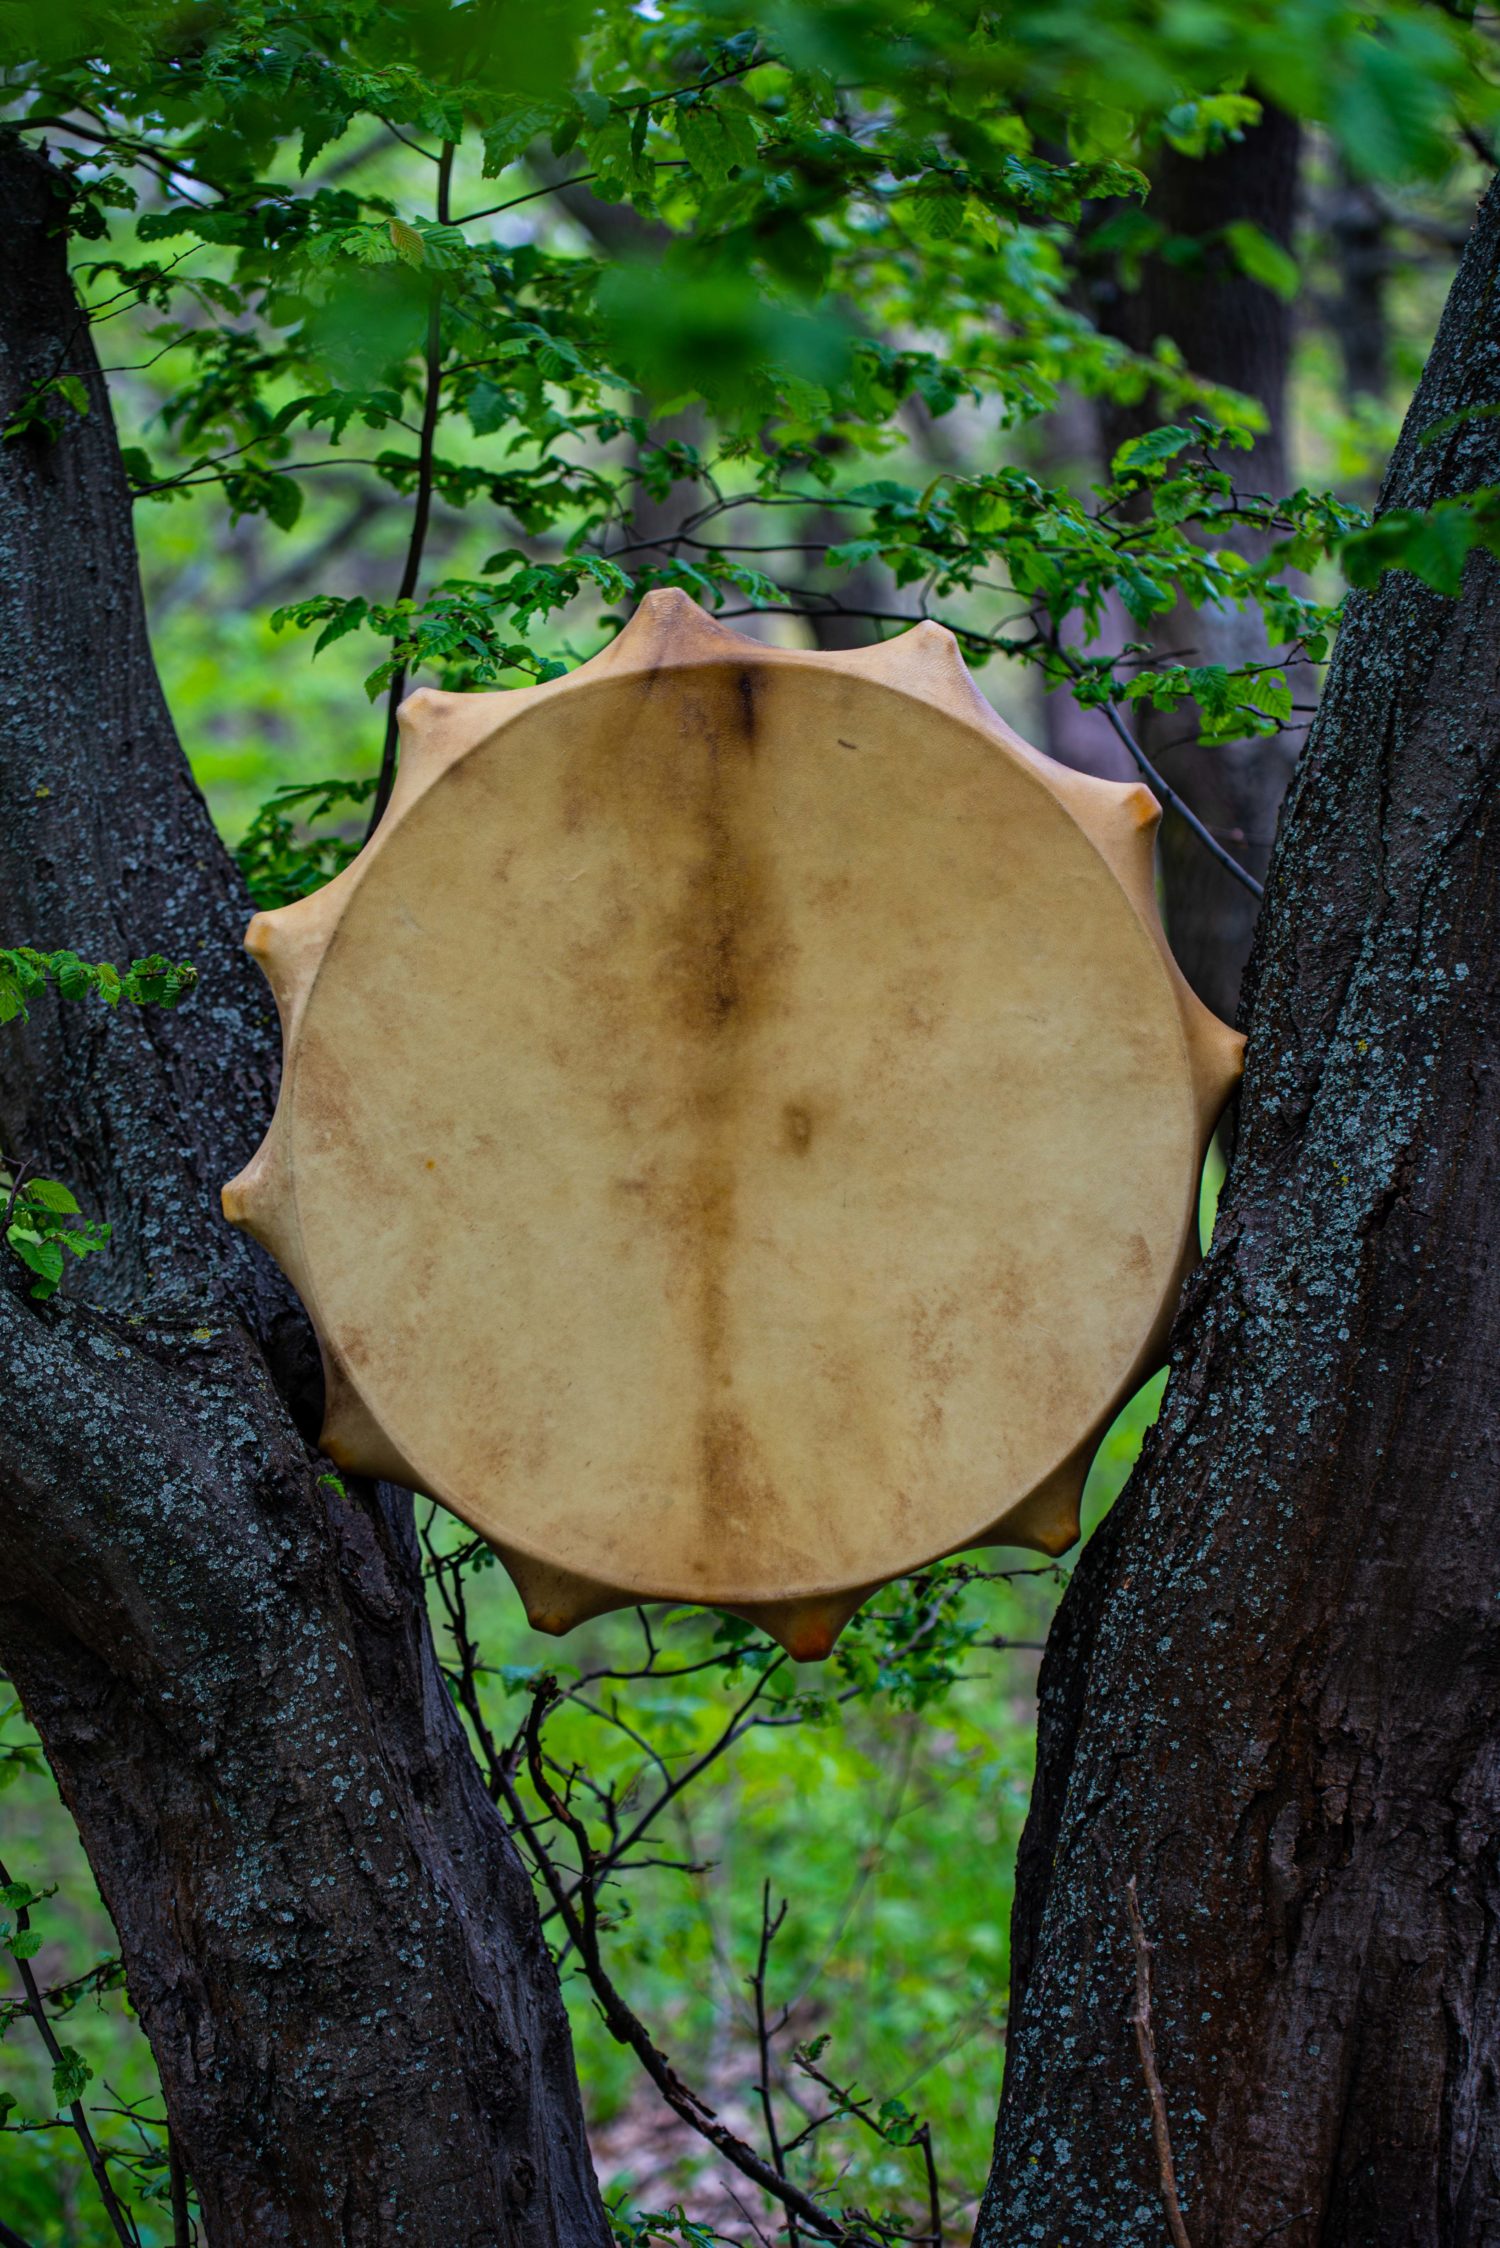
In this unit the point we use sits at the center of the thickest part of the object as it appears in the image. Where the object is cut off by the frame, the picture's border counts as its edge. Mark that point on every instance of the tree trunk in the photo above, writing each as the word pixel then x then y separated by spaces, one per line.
pixel 1236 332
pixel 1272 1696
pixel 328 1934
pixel 1359 238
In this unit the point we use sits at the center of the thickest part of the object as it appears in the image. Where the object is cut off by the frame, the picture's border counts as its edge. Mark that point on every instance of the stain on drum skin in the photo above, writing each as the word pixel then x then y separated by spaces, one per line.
pixel 720 1166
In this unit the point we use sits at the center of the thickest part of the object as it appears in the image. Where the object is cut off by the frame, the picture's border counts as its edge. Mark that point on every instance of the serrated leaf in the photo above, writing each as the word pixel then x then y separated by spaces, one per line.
pixel 408 244
pixel 51 1194
pixel 160 226
pixel 512 134
pixel 348 615
pixel 70 2077
pixel 739 130
pixel 488 408
pixel 85 1239
pixel 371 245
pixel 444 245
pixel 610 151
pixel 1151 446
pixel 44 1258
pixel 704 142
pixel 317 134
pixel 24 1944
pixel 939 206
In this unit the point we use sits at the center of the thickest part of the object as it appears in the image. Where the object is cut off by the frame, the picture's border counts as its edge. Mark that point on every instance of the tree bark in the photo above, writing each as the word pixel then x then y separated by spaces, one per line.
pixel 328 1934
pixel 1233 331
pixel 1272 1696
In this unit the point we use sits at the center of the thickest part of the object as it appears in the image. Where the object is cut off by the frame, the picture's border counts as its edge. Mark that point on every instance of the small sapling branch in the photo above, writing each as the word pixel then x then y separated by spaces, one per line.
pixel 119 2221
pixel 1161 2137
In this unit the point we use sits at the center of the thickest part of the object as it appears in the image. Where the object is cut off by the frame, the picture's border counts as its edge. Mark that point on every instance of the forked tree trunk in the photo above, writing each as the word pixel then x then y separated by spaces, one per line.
pixel 327 1932
pixel 1272 1696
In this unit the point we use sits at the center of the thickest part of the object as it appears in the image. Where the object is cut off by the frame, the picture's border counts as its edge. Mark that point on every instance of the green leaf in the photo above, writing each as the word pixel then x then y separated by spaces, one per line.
pixel 940 206
pixel 324 126
pixel 86 1238
pixel 283 501
pixel 73 979
pixel 738 127
pixel 1201 127
pixel 24 1944
pixel 1152 446
pixel 44 1258
pixel 51 1194
pixel 1263 260
pixel 705 143
pixel 1461 415
pixel 70 2076
pixel 1432 544
pixel 445 246
pixel 513 133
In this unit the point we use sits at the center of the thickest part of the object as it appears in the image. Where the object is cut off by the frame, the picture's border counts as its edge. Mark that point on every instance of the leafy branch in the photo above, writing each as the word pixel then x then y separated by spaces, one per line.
pixel 150 982
pixel 41 1222
pixel 585 1833
pixel 70 2072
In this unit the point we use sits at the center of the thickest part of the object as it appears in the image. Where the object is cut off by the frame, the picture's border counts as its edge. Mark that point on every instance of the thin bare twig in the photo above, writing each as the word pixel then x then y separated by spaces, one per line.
pixel 747 2215
pixel 739 1723
pixel 17 1181
pixel 770 1924
pixel 576 1891
pixel 1184 811
pixel 580 1916
pixel 1161 2136
pixel 923 2139
pixel 422 512
pixel 1282 2223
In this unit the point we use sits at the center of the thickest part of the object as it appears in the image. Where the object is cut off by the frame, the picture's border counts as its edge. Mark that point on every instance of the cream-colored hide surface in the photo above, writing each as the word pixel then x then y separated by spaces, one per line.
pixel 741 1125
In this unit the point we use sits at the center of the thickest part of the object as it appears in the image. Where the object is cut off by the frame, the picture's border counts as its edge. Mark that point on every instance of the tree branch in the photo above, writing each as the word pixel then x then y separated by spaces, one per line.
pixel 769 1924
pixel 422 511
pixel 120 2224
pixel 1161 2137
pixel 581 1920
pixel 1183 810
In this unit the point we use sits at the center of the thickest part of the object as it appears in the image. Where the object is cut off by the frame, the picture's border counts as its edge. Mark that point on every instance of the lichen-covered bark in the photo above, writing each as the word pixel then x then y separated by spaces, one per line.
pixel 1273 1693
pixel 327 1932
